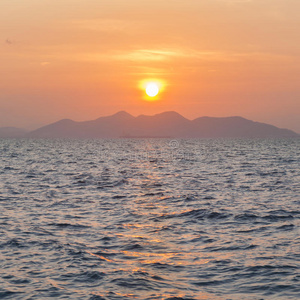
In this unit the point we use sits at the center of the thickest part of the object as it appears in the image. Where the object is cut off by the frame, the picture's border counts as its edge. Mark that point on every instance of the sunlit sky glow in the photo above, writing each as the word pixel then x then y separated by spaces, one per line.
pixel 85 59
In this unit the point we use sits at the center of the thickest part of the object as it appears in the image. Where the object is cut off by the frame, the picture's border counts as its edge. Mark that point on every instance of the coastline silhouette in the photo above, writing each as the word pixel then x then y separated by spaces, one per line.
pixel 164 125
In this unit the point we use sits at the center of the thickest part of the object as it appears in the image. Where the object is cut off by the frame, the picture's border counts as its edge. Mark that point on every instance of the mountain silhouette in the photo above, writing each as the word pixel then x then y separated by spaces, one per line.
pixel 166 124
pixel 12 132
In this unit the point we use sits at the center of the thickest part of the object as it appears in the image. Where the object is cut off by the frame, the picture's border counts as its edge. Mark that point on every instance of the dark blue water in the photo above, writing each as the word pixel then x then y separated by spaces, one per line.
pixel 149 219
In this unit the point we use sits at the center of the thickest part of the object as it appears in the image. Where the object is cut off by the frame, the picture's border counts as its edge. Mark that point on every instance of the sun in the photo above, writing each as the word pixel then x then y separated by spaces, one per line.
pixel 152 89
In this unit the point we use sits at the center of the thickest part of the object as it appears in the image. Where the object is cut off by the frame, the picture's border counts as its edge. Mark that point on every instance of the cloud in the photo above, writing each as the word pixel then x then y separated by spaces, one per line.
pixel 147 55
pixel 169 54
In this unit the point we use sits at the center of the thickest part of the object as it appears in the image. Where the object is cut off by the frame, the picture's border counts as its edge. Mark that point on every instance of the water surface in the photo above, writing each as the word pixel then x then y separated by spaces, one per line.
pixel 149 219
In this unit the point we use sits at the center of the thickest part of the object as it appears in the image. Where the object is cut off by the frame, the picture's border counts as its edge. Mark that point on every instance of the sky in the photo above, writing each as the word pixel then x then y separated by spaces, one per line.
pixel 86 59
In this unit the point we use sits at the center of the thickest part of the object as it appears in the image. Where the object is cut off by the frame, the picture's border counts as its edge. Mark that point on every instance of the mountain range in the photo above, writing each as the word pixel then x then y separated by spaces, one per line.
pixel 166 124
pixel 12 132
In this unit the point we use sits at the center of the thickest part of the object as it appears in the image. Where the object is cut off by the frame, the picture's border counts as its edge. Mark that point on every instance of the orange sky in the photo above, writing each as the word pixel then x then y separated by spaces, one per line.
pixel 85 59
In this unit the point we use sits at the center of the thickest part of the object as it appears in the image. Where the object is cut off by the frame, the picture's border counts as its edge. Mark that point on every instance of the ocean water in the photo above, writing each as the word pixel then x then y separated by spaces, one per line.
pixel 150 219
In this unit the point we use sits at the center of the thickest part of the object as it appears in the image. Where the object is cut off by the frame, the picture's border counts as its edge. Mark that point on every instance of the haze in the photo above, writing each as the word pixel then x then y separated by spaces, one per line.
pixel 85 59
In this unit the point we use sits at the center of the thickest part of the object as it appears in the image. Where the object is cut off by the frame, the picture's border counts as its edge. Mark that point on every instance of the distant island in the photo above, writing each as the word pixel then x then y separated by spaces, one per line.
pixel 163 125
pixel 12 132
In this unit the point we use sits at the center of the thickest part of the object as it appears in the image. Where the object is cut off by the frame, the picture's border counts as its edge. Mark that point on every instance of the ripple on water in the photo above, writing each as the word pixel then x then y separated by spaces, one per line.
pixel 96 219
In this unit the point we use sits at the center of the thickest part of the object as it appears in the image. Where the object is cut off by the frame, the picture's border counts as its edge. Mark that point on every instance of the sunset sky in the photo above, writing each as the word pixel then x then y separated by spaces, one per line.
pixel 85 59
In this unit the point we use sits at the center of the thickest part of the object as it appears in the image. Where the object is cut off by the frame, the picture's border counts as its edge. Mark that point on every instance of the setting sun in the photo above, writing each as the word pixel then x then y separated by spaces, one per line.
pixel 152 89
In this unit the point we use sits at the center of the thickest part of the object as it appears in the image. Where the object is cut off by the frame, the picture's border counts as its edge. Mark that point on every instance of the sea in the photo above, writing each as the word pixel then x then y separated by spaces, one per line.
pixel 150 219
